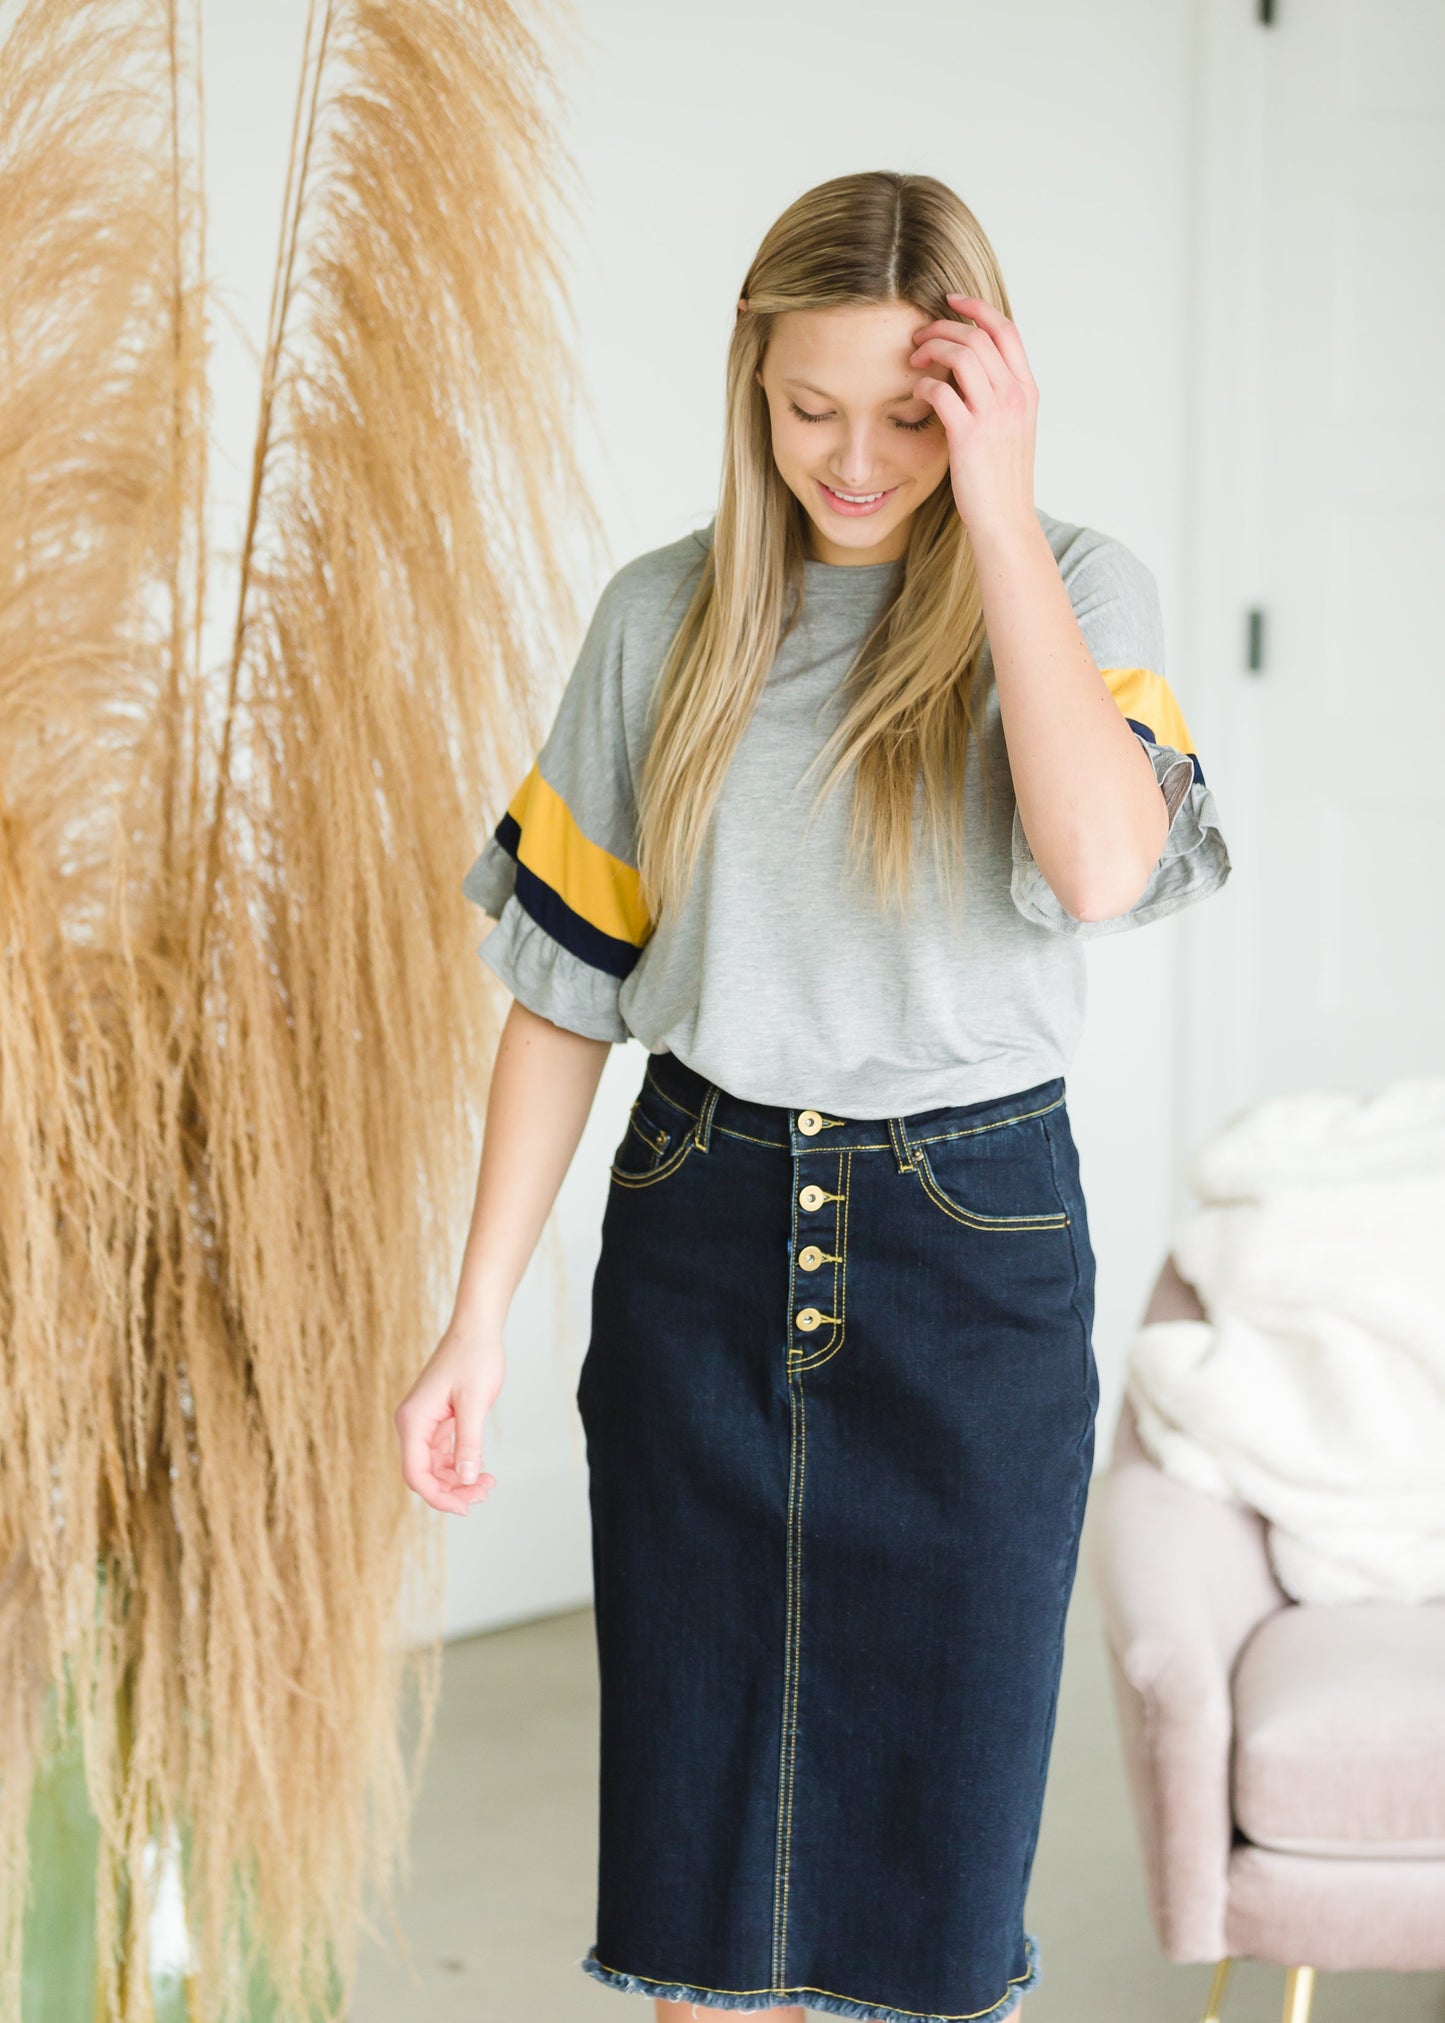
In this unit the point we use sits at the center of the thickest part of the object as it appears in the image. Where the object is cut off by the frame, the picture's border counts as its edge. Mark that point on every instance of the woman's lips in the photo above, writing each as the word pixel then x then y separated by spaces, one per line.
pixel 847 508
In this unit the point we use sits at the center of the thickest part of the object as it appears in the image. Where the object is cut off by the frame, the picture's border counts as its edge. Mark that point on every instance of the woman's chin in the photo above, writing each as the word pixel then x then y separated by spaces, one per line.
pixel 856 534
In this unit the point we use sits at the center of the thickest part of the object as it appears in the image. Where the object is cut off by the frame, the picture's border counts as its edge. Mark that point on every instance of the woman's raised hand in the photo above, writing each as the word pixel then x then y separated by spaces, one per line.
pixel 987 406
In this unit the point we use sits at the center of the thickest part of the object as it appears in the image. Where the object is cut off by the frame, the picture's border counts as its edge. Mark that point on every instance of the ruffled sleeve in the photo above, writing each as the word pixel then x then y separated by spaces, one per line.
pixel 559 872
pixel 1116 604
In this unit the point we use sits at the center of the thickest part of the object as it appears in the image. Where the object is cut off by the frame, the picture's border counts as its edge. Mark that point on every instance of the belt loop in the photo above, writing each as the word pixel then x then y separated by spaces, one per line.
pixel 902 1150
pixel 703 1130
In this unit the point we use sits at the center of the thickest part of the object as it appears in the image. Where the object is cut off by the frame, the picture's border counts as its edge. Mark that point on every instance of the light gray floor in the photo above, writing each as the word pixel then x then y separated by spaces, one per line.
pixel 500 1907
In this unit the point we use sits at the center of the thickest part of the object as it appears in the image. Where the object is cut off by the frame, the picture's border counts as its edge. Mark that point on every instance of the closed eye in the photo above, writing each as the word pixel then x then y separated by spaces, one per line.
pixel 803 415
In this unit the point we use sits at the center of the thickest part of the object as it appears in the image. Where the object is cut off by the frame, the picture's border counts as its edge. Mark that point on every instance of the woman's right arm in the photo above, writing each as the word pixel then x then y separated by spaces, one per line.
pixel 543 1084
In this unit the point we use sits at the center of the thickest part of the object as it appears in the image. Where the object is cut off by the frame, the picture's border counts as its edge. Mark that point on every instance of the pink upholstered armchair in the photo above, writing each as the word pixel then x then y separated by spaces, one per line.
pixel 1286 1762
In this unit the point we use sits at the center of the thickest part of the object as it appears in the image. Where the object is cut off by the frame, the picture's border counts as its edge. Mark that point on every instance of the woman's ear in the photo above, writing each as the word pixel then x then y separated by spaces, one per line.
pixel 742 305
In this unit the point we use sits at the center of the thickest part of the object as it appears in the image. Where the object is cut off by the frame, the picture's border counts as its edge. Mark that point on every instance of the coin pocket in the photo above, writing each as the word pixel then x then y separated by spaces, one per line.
pixel 651 1148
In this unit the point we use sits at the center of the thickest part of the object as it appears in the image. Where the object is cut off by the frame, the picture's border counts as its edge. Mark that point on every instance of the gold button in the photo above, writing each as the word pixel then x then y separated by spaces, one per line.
pixel 811 1198
pixel 809 1123
pixel 810 1258
pixel 809 1319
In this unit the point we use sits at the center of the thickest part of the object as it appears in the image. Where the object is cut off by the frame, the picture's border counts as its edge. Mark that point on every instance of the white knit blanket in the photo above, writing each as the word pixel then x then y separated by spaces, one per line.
pixel 1315 1389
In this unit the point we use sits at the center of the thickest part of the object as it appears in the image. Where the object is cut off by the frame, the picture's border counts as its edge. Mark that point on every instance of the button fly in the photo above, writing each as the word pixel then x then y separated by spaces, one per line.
pixel 811 1198
pixel 809 1123
pixel 809 1319
pixel 810 1258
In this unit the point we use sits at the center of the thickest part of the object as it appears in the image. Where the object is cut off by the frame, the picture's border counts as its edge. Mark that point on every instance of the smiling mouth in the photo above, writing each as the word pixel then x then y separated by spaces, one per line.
pixel 856 498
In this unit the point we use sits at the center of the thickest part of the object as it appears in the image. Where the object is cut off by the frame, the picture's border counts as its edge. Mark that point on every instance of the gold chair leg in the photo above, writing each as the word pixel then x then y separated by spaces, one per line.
pixel 1299 1988
pixel 1216 1992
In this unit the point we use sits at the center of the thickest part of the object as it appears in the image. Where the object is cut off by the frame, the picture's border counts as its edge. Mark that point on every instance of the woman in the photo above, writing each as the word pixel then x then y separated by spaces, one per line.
pixel 836 788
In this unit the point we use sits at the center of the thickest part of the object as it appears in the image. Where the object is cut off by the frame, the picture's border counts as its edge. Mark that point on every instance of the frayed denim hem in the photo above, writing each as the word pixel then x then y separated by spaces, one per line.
pixel 821 2000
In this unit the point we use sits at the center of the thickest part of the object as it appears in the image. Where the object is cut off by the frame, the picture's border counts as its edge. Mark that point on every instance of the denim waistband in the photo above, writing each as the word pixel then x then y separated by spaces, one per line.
pixel 801 1130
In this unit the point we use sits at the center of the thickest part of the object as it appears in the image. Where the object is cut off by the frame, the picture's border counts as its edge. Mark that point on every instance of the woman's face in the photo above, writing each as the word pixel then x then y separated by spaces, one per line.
pixel 849 369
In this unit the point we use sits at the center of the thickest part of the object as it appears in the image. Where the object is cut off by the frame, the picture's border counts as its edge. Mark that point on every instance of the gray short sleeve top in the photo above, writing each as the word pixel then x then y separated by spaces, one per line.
pixel 780 978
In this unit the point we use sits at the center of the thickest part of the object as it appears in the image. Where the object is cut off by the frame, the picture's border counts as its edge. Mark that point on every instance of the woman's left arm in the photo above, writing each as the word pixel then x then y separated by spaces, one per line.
pixel 1087 795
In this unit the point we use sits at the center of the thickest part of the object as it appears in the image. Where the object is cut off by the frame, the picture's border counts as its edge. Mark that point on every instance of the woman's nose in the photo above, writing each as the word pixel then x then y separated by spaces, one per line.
pixel 856 463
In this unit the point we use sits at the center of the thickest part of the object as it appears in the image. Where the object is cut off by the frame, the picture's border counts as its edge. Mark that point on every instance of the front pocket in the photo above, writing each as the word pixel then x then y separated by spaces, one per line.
pixel 999 1179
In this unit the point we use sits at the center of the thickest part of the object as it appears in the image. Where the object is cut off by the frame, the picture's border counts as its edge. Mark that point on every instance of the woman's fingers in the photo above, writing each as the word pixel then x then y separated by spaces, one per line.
pixel 966 367
pixel 445 1453
pixel 945 400
pixel 1003 332
pixel 470 1410
pixel 943 340
pixel 419 1462
pixel 428 1463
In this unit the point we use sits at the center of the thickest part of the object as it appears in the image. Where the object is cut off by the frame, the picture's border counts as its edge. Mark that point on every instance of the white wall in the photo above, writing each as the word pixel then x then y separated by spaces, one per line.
pixel 1067 129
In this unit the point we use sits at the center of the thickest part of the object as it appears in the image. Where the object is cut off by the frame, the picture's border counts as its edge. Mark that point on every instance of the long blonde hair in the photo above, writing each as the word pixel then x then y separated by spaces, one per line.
pixel 907 717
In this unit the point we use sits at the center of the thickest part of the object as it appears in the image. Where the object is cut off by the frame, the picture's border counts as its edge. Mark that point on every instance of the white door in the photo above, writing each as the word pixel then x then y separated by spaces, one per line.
pixel 1320 411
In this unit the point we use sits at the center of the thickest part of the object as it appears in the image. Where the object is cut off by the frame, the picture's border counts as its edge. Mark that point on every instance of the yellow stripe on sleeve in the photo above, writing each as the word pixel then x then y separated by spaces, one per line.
pixel 599 887
pixel 1146 697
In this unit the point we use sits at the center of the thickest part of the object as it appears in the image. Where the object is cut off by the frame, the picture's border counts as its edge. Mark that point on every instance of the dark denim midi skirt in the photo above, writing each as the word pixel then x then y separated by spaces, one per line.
pixel 839 1403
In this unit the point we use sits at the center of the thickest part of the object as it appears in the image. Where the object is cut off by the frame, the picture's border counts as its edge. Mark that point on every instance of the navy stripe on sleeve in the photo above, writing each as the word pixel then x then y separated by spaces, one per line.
pixel 550 911
pixel 1143 731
